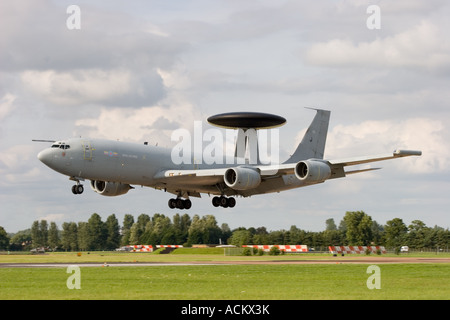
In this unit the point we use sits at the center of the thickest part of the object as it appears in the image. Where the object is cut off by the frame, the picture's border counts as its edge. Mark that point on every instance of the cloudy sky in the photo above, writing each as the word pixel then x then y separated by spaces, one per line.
pixel 138 70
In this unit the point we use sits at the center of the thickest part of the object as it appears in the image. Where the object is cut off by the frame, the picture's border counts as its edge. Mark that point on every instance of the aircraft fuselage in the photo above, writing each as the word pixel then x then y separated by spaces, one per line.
pixel 114 166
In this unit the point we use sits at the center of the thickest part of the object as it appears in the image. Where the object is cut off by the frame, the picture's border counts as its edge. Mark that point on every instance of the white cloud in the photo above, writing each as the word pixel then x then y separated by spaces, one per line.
pixel 384 136
pixel 423 46
pixel 135 72
pixel 6 105
pixel 91 86
pixel 153 124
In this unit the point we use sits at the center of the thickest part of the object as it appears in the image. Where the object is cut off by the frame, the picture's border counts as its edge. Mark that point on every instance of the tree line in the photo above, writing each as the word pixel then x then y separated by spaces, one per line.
pixel 356 228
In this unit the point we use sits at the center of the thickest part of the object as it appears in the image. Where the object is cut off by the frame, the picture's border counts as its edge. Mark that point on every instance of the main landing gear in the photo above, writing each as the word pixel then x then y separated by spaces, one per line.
pixel 180 203
pixel 77 189
pixel 223 201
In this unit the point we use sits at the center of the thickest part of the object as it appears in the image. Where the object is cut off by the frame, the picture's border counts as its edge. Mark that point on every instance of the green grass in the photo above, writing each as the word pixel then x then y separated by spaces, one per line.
pixel 225 282
pixel 270 281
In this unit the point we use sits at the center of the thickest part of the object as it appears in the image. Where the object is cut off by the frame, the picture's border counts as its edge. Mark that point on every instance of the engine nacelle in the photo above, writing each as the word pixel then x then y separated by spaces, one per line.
pixel 110 189
pixel 242 178
pixel 312 171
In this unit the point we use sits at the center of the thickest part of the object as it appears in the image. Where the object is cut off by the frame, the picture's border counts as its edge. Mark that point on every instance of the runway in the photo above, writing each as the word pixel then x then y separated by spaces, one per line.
pixel 336 260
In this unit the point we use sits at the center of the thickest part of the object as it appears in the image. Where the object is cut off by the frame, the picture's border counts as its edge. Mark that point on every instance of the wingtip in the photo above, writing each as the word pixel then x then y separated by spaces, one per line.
pixel 404 153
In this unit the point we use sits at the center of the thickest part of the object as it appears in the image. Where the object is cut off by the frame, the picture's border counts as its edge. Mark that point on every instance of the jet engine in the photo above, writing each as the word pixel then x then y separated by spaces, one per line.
pixel 242 178
pixel 312 171
pixel 110 189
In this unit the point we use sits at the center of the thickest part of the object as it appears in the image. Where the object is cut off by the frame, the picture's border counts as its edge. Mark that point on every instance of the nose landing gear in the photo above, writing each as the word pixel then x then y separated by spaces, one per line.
pixel 77 188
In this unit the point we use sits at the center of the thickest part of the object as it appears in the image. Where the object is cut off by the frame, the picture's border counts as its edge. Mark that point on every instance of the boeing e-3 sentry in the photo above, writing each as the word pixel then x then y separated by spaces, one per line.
pixel 113 167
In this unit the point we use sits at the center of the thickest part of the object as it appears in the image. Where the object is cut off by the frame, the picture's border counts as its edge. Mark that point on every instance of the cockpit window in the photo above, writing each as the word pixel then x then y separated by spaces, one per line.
pixel 61 145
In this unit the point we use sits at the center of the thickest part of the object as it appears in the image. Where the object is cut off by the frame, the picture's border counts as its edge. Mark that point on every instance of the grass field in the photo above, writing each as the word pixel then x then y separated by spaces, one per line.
pixel 219 282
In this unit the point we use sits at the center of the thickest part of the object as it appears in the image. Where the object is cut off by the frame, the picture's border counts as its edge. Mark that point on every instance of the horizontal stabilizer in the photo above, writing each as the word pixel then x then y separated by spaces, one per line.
pixel 362 170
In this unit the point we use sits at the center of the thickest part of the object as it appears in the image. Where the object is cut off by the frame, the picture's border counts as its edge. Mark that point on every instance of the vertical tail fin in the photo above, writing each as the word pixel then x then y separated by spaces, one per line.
pixel 313 142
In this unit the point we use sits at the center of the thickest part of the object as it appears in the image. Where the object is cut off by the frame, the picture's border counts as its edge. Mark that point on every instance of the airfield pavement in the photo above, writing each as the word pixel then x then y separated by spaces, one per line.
pixel 335 260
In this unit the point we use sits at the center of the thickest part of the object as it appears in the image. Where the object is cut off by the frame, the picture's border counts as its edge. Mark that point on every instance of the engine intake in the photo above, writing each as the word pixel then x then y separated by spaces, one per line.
pixel 110 189
pixel 312 171
pixel 242 178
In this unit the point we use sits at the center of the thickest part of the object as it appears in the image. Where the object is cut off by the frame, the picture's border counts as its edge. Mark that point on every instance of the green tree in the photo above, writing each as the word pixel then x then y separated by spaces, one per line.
pixel 128 221
pixel 419 235
pixel 359 228
pixel 112 233
pixel 4 239
pixel 211 231
pixel 332 238
pixel 39 233
pixel 195 231
pixel 53 236
pixel 69 236
pixel 330 225
pixel 159 230
pixel 83 236
pixel 279 237
pixel 297 235
pixel 138 229
pixel 96 232
pixel 441 237
pixel 134 234
pixel 43 229
pixel 21 240
pixel 395 233
pixel 226 232
pixel 377 233
pixel 35 235
pixel 260 236
pixel 240 237
pixel 181 226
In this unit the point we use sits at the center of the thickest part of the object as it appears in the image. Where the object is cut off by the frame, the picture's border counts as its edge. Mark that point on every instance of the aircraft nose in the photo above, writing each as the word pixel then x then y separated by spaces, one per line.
pixel 45 157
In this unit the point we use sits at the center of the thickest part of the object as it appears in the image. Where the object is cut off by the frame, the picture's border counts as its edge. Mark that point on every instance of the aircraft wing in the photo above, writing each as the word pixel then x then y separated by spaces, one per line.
pixel 196 181
pixel 192 177
pixel 338 164
pixel 190 182
pixel 367 159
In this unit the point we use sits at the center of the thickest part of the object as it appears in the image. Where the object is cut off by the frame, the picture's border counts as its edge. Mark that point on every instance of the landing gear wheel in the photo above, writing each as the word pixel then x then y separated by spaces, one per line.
pixel 180 204
pixel 77 189
pixel 172 204
pixel 216 201
pixel 224 202
pixel 187 204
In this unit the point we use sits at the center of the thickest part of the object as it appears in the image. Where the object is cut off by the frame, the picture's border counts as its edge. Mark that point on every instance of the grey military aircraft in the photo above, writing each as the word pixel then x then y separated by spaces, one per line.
pixel 114 166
